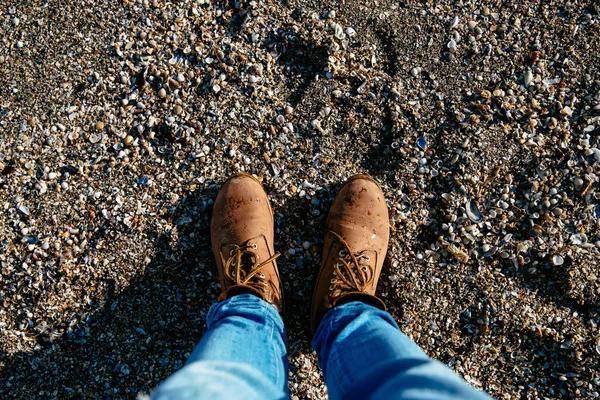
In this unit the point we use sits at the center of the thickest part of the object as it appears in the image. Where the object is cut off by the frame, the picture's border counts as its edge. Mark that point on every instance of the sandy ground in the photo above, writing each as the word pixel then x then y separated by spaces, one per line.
pixel 119 120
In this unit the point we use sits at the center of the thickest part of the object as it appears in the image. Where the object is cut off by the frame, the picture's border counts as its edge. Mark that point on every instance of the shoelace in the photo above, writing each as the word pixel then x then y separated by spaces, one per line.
pixel 349 274
pixel 240 270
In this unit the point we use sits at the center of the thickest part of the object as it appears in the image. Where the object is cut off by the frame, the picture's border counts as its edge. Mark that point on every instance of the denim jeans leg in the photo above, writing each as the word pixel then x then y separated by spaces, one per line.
pixel 243 354
pixel 364 355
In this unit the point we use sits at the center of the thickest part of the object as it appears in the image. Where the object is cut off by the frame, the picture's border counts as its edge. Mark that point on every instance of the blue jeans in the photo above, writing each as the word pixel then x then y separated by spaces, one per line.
pixel 360 348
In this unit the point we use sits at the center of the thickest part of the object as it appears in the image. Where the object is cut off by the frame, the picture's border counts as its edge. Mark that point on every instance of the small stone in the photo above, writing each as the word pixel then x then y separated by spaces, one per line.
pixel 306 245
pixel 288 109
pixel 472 24
pixel 178 110
pixel 99 126
pixel 162 93
pixel 557 211
pixel 128 140
pixel 16 21
pixel 20 44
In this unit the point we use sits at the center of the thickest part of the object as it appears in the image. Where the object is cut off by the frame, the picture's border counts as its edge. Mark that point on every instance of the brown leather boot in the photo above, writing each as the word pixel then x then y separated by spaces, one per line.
pixel 355 245
pixel 241 233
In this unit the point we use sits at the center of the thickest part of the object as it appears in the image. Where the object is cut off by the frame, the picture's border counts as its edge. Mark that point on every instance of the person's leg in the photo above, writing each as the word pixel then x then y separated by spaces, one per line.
pixel 242 355
pixel 362 352
pixel 364 355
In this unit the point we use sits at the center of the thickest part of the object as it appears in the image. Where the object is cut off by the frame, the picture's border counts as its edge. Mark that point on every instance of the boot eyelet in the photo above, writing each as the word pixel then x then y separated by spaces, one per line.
pixel 367 258
pixel 332 281
pixel 255 246
pixel 330 288
pixel 364 269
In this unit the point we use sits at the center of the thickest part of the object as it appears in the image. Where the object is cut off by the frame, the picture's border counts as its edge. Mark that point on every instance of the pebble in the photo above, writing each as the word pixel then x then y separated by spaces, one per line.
pixel 99 126
pixel 128 140
pixel 162 93
pixel 16 21
pixel 306 245
pixel 178 110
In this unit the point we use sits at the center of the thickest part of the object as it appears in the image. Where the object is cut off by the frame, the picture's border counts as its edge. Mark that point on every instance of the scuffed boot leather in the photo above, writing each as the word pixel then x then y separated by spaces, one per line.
pixel 242 241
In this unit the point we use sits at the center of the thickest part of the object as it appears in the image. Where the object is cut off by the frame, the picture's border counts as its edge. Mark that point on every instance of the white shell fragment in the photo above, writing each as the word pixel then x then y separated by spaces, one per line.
pixel 454 22
pixel 452 46
pixel 527 77
pixel 557 260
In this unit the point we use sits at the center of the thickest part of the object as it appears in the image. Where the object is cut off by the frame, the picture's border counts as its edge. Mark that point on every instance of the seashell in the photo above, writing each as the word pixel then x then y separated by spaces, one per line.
pixel 454 22
pixel 144 180
pixel 527 77
pixel 422 143
pixel 557 260
pixel 452 46
pixel 95 138
pixel 473 213
pixel 551 82
pixel 24 210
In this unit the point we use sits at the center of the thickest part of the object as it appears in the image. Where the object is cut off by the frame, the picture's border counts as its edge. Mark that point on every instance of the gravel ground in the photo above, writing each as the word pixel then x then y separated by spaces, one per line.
pixel 119 120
